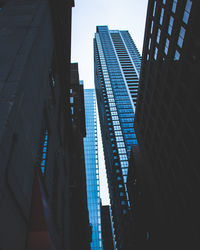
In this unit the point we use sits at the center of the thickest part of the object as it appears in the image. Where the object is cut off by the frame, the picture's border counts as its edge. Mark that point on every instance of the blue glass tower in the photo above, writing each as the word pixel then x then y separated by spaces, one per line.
pixel 92 168
pixel 117 69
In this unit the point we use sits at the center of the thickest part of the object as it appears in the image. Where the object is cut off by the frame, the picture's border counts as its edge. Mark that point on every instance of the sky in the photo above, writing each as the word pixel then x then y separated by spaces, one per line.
pixel 116 14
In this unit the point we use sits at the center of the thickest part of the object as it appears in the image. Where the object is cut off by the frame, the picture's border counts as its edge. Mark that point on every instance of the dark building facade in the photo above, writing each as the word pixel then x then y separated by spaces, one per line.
pixel 36 130
pixel 107 232
pixel 167 128
pixel 117 67
pixel 79 217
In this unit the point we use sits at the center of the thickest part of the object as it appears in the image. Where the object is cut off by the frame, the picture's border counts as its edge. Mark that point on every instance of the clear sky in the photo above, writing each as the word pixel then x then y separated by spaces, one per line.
pixel 116 14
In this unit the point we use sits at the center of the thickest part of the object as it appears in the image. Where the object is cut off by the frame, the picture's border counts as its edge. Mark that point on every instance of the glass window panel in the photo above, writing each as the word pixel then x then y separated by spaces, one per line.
pixel 174 6
pixel 119 138
pixel 171 22
pixel 185 17
pixel 118 133
pixel 124 171
pixel 161 16
pixel 116 123
pixel 122 150
pixel 188 6
pixel 154 8
pixel 123 157
pixel 155 53
pixel 180 42
pixel 149 44
pixel 166 46
pixel 124 164
pixel 152 27
pixel 182 32
pixel 71 99
pixel 177 55
pixel 120 145
pixel 117 128
pixel 158 36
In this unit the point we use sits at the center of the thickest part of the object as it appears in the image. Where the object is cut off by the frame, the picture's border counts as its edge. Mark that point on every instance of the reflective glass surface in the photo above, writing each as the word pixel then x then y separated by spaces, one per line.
pixel 92 168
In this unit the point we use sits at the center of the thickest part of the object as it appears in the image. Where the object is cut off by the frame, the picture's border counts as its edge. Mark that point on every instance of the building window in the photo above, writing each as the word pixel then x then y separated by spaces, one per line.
pixel 115 122
pixel 120 145
pixel 174 6
pixel 188 6
pixel 71 99
pixel 118 133
pixel 114 118
pixel 154 8
pixel 151 27
pixel 177 56
pixel 72 110
pixel 149 44
pixel 166 46
pixel 187 11
pixel 171 22
pixel 123 157
pixel 121 150
pixel 124 164
pixel 161 16
pixel 155 53
pixel 124 171
pixel 185 17
pixel 181 37
pixel 117 128
pixel 158 36
pixel 119 138
pixel 111 99
pixel 113 109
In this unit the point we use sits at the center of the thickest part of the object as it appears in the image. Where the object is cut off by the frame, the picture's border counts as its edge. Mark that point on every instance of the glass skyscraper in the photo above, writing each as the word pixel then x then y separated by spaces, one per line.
pixel 117 69
pixel 92 169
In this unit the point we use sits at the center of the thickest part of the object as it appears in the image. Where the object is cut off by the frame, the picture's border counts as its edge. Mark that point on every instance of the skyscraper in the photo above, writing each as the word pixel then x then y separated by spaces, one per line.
pixel 92 169
pixel 117 68
pixel 167 127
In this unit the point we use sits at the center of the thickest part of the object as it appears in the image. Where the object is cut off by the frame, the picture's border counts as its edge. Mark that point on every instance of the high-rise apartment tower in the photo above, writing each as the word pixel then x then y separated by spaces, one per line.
pixel 117 67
